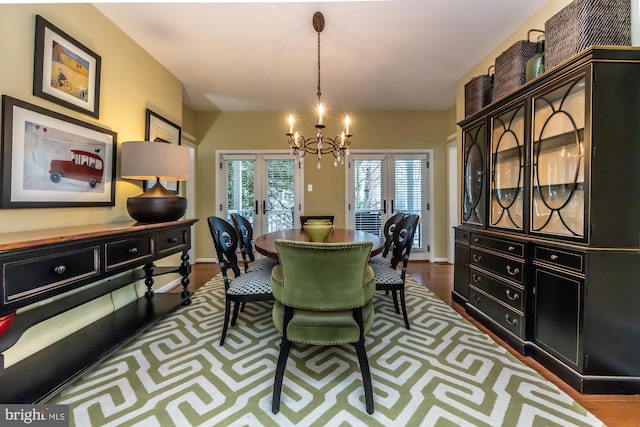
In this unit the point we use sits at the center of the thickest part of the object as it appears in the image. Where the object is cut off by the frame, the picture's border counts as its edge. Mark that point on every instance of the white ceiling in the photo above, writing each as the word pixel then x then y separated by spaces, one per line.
pixel 375 55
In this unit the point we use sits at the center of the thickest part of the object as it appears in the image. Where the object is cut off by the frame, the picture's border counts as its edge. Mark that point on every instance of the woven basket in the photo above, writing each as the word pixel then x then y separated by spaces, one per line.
pixel 511 66
pixel 478 92
pixel 584 23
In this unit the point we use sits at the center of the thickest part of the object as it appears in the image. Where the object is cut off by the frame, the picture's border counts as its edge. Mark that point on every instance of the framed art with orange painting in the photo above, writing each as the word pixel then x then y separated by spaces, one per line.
pixel 65 71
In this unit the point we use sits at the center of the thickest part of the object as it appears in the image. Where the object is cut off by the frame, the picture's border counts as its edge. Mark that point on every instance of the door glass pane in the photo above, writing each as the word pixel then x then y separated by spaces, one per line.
pixel 507 170
pixel 557 206
pixel 240 194
pixel 473 200
pixel 280 201
pixel 369 195
pixel 408 191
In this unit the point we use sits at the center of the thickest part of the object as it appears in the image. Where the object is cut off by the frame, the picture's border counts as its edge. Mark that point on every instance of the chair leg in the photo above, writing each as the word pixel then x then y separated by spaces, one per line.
pixel 235 313
pixel 395 301
pixel 404 309
pixel 227 309
pixel 366 375
pixel 285 346
pixel 242 307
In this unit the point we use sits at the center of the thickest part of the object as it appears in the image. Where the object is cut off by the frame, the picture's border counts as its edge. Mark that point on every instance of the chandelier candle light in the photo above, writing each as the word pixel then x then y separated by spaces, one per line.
pixel 320 144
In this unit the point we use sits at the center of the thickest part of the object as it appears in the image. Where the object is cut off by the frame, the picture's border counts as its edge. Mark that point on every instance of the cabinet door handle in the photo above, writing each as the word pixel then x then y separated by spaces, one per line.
pixel 511 249
pixel 513 296
pixel 476 278
pixel 512 321
pixel 512 271
pixel 172 240
pixel 476 298
pixel 60 269
pixel 133 251
pixel 553 257
pixel 477 258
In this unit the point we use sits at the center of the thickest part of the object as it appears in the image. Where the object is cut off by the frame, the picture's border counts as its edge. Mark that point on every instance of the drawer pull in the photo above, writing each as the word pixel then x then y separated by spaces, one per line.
pixel 476 240
pixel 513 296
pixel 513 271
pixel 172 240
pixel 477 258
pixel 553 257
pixel 510 320
pixel 476 278
pixel 133 251
pixel 60 269
pixel 476 298
pixel 511 248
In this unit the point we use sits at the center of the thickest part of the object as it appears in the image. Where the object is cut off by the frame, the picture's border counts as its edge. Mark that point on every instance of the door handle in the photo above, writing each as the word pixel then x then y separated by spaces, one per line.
pixel 384 206
pixel 256 207
pixel 264 207
pixel 393 209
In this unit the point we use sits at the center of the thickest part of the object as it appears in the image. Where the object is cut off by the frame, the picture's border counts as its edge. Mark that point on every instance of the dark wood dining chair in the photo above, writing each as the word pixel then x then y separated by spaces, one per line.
pixel 242 288
pixel 388 278
pixel 305 218
pixel 245 233
pixel 387 232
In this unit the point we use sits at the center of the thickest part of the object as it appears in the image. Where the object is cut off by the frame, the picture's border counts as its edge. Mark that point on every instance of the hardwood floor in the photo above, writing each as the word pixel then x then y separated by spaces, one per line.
pixel 613 410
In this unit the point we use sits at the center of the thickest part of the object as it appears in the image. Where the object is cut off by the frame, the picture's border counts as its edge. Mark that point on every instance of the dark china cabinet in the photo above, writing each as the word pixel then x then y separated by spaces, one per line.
pixel 548 250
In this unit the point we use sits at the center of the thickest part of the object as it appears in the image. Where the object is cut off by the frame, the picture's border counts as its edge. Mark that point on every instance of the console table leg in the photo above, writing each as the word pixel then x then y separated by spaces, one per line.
pixel 185 270
pixel 148 279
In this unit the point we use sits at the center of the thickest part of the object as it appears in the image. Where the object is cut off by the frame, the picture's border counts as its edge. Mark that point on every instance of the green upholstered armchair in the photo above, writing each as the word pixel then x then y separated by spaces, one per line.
pixel 323 295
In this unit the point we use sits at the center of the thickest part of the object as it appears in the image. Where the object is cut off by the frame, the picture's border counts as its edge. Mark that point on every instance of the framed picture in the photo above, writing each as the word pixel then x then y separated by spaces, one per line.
pixel 65 71
pixel 50 160
pixel 159 129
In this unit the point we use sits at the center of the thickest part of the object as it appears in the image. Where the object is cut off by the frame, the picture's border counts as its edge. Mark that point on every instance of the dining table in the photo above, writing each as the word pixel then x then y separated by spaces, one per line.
pixel 265 243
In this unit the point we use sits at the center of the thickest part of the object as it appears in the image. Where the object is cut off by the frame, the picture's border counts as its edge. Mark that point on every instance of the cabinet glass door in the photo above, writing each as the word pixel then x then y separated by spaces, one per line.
pixel 558 187
pixel 473 205
pixel 507 170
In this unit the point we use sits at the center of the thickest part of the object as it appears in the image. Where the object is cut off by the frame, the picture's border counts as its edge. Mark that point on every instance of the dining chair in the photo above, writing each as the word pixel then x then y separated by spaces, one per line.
pixel 387 232
pixel 242 288
pixel 323 294
pixel 305 218
pixel 388 278
pixel 245 233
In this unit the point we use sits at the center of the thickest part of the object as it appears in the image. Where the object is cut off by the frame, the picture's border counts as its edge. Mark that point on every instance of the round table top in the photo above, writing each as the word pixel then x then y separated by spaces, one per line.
pixel 265 244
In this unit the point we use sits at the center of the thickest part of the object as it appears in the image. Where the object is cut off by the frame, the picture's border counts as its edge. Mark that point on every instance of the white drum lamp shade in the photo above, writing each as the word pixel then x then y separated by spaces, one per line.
pixel 157 161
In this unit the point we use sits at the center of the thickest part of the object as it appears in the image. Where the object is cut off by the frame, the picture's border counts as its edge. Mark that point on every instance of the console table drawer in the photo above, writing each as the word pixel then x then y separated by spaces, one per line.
pixel 505 317
pixel 505 246
pixel 38 272
pixel 462 235
pixel 507 294
pixel 128 251
pixel 173 241
pixel 502 266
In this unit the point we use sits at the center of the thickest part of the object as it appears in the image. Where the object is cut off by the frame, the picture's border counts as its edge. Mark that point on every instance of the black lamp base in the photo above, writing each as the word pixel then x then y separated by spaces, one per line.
pixel 156 205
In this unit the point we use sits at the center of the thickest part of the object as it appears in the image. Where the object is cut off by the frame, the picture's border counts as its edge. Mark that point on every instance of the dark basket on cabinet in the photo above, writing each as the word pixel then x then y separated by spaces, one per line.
pixel 478 92
pixel 511 66
pixel 584 23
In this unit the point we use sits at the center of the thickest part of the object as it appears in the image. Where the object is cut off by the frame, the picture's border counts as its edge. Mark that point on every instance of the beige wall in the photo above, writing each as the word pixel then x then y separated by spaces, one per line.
pixel 131 81
pixel 371 129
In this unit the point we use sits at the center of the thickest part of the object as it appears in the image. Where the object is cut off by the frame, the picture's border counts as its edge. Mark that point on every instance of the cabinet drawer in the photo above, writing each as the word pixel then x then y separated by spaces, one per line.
pixel 462 235
pixel 173 241
pixel 38 272
pixel 560 258
pixel 502 266
pixel 123 253
pixel 505 246
pixel 505 317
pixel 501 291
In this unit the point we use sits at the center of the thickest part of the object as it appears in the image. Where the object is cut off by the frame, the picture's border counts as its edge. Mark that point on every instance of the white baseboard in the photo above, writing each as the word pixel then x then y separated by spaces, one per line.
pixel 205 260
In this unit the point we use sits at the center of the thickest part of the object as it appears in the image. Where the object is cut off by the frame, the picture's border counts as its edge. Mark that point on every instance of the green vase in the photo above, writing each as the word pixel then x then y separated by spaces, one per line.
pixel 535 64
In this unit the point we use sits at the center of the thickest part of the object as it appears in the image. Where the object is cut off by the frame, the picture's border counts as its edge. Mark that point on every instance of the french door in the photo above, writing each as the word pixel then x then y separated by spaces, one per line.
pixel 264 188
pixel 380 185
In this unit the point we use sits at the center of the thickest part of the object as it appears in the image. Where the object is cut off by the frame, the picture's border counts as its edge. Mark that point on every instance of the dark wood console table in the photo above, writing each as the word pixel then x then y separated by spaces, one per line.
pixel 40 264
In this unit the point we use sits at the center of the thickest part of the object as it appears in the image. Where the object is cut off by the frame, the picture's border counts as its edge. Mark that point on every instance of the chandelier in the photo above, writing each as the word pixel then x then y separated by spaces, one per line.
pixel 320 144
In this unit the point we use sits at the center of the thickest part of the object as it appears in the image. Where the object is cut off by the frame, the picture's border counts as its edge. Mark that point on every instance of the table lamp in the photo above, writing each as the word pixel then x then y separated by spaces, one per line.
pixel 157 161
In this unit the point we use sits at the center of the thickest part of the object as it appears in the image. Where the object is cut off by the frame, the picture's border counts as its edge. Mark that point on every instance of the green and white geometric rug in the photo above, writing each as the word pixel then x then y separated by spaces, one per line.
pixel 443 372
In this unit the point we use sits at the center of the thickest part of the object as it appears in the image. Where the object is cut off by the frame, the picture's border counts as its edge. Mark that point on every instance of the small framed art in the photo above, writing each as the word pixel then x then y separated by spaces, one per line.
pixel 65 71
pixel 159 129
